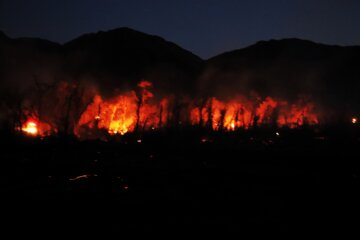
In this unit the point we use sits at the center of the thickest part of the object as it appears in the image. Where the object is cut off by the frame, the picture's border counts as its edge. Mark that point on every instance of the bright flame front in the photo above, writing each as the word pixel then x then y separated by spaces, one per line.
pixel 140 111
pixel 30 128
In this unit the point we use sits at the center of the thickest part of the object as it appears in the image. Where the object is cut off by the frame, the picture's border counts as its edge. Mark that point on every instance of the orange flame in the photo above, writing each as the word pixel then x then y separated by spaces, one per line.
pixel 139 111
pixel 125 113
pixel 34 127
pixel 30 128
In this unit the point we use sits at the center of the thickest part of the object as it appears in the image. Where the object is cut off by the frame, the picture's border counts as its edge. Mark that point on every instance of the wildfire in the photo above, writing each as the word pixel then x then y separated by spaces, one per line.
pixel 354 120
pixel 244 114
pixel 35 127
pixel 140 110
pixel 232 125
pixel 30 128
pixel 124 113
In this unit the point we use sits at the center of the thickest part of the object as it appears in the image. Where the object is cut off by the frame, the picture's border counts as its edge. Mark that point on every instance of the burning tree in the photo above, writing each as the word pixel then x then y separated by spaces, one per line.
pixel 68 107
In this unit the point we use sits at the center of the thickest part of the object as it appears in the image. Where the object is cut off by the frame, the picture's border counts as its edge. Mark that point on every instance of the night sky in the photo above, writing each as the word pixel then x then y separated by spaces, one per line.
pixel 205 27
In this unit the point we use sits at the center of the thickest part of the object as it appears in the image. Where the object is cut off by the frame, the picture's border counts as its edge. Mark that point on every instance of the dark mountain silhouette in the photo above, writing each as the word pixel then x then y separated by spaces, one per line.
pixel 26 60
pixel 288 68
pixel 114 59
pixel 127 54
pixel 2 36
pixel 120 58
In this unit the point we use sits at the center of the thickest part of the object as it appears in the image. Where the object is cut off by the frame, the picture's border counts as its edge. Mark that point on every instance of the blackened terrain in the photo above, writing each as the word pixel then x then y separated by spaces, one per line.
pixel 255 181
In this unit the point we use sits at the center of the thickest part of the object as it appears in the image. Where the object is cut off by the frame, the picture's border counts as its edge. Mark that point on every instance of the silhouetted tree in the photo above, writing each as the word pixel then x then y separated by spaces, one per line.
pixel 201 106
pixel 210 114
pixel 222 119
pixel 138 111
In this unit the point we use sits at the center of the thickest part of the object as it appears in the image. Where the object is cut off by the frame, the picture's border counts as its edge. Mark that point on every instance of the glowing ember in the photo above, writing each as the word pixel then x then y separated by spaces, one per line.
pixel 30 128
pixel 354 120
pixel 85 176
pixel 139 141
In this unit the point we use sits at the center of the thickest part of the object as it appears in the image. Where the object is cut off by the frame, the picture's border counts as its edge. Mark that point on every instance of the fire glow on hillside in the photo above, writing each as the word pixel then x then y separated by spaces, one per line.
pixel 140 110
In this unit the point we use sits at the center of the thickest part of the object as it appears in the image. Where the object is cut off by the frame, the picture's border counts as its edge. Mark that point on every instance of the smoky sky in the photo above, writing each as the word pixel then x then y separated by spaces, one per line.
pixel 205 27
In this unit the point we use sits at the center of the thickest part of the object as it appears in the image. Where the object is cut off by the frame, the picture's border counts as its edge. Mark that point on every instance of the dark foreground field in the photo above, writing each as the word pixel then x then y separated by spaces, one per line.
pixel 255 182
